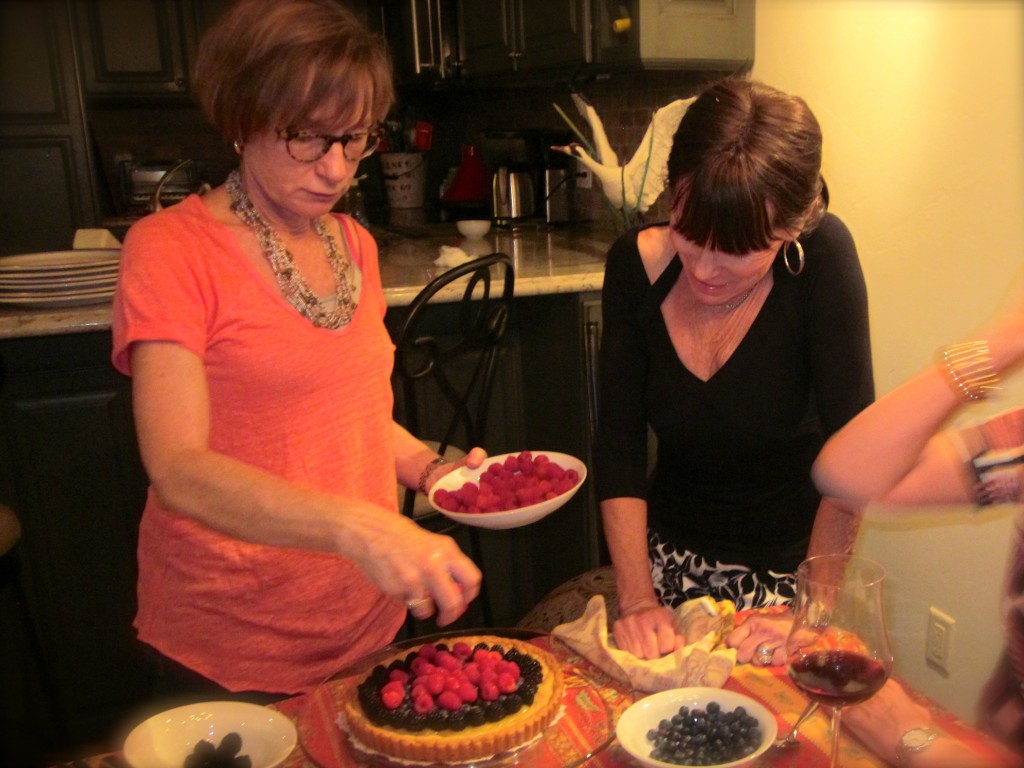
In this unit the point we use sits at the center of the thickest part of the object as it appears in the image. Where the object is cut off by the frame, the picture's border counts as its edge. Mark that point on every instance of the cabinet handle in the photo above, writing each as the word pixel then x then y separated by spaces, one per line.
pixel 591 353
pixel 414 14
pixel 439 59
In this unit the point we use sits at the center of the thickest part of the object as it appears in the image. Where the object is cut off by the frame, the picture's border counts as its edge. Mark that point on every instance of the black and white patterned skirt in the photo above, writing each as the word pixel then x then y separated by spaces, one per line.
pixel 681 575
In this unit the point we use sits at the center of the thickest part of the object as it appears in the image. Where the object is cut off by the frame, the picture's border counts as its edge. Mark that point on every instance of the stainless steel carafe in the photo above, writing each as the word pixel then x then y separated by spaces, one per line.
pixel 512 195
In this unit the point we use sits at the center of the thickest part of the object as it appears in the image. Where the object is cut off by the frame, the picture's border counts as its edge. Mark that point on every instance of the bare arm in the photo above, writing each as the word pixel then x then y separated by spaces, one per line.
pixel 645 628
pixel 173 423
pixel 892 451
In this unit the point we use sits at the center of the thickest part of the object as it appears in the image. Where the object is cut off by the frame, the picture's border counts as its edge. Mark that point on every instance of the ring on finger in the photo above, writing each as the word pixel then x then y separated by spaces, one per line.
pixel 417 603
pixel 764 654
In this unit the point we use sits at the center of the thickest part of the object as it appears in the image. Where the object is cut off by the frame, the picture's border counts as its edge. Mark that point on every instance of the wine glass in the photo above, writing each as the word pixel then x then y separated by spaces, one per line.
pixel 838 651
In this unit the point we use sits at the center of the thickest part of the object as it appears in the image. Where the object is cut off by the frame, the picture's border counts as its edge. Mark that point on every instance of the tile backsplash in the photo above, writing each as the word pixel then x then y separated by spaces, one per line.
pixel 624 102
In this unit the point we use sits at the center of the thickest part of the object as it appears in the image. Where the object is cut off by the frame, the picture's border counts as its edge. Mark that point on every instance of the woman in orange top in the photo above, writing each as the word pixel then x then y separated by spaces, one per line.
pixel 271 551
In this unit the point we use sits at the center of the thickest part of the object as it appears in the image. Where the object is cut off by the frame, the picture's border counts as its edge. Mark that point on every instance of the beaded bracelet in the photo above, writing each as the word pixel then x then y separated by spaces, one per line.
pixel 425 475
pixel 970 368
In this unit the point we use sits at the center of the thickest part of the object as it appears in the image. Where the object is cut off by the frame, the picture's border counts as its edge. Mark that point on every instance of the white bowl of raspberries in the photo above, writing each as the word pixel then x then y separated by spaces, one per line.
pixel 212 734
pixel 510 490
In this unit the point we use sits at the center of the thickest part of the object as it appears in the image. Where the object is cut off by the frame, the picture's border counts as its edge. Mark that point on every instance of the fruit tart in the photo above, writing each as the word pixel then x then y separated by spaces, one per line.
pixel 463 699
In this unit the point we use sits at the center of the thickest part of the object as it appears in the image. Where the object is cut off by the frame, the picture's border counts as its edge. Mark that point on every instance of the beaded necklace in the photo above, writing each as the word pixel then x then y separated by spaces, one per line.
pixel 335 311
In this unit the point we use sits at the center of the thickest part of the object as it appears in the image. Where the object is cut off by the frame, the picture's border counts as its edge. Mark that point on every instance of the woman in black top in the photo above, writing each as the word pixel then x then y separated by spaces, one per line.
pixel 739 332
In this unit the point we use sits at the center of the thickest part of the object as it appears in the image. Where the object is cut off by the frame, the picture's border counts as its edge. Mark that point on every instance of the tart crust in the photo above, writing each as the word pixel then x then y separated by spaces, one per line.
pixel 472 742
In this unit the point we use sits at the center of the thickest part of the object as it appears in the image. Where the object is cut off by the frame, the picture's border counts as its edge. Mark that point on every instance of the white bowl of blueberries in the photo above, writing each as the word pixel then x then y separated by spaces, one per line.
pixel 211 734
pixel 696 726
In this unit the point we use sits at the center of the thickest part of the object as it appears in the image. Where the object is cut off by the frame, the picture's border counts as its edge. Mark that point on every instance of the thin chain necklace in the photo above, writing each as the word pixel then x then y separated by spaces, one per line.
pixel 332 314
pixel 729 306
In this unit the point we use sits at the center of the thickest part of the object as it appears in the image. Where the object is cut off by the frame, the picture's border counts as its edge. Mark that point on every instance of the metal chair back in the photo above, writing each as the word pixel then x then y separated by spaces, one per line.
pixel 454 363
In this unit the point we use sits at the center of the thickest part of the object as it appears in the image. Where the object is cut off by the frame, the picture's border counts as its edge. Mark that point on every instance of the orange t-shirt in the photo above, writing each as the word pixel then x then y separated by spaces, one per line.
pixel 308 404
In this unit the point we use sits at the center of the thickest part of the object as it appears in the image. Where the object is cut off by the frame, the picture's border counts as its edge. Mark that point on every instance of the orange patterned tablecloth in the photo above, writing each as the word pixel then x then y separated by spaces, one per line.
pixel 592 704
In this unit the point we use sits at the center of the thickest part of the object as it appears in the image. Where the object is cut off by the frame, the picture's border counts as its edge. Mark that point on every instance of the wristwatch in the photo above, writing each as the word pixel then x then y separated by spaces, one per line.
pixel 913 742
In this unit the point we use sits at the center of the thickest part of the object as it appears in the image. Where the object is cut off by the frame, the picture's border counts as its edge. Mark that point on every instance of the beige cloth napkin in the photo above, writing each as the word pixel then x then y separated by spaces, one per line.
pixel 703 661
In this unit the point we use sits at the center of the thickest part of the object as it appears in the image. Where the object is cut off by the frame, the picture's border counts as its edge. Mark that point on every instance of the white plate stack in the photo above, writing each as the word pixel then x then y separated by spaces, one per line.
pixel 59 278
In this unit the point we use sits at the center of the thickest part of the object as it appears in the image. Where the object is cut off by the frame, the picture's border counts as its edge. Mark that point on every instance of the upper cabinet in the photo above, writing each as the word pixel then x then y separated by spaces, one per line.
pixel 434 41
pixel 422 35
pixel 673 34
pixel 140 47
pixel 45 170
pixel 512 36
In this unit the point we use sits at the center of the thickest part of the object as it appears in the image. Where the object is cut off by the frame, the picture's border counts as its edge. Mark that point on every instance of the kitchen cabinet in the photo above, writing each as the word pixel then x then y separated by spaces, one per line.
pixel 423 37
pixel 45 163
pixel 558 338
pixel 673 34
pixel 511 36
pixel 140 47
pixel 72 473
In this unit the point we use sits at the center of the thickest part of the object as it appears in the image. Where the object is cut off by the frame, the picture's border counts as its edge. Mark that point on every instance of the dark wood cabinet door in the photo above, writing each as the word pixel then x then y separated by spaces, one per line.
pixel 132 47
pixel 553 34
pixel 45 169
pixel 488 33
pixel 205 12
pixel 523 35
pixel 73 476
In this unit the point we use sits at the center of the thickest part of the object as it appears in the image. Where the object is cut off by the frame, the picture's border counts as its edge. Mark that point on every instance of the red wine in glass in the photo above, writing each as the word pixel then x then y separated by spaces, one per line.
pixel 837 678
pixel 838 650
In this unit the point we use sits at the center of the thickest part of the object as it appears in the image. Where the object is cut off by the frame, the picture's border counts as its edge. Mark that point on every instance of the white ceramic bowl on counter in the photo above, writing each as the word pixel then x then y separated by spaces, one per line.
pixel 473 227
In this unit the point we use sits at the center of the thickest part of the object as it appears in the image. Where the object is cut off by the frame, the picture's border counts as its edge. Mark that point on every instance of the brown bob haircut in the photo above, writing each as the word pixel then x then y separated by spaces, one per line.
pixel 745 168
pixel 273 64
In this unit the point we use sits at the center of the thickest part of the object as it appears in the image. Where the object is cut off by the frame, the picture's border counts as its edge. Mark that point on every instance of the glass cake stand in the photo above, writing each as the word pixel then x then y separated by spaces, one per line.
pixel 591 705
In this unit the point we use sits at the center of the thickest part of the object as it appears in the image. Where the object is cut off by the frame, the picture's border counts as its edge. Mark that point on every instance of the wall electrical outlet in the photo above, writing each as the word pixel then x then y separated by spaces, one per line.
pixel 584 178
pixel 938 640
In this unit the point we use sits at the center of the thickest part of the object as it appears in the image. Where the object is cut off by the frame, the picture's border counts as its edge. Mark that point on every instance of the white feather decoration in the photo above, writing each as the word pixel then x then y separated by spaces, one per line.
pixel 636 185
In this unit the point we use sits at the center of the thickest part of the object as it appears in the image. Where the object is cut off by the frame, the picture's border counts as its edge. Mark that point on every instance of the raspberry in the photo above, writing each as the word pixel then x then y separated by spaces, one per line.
pixel 447 660
pixel 468 693
pixel 392 698
pixel 398 675
pixel 509 668
pixel 506 683
pixel 423 704
pixel 489 691
pixel 419 689
pixel 449 700
pixel 462 650
pixel 452 683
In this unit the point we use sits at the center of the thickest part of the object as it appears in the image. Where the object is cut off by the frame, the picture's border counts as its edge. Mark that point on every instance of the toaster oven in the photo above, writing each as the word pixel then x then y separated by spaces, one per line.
pixel 139 181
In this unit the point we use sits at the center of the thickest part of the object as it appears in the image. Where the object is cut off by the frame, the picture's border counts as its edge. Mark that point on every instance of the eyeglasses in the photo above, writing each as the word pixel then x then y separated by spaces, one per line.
pixel 308 147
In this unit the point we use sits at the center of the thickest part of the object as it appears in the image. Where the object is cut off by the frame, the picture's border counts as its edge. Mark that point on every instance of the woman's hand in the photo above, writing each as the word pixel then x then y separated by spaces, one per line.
pixel 762 630
pixel 648 632
pixel 426 571
pixel 881 721
pixel 472 460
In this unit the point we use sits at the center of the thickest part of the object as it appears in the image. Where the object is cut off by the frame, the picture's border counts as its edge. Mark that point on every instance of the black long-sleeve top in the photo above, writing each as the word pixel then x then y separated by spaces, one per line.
pixel 732 478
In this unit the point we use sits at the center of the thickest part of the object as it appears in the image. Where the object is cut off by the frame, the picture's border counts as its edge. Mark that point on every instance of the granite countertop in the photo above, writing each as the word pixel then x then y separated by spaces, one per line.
pixel 547 260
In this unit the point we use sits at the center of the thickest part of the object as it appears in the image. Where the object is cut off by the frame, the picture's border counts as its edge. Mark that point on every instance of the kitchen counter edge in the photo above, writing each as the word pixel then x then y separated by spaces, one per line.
pixel 546 263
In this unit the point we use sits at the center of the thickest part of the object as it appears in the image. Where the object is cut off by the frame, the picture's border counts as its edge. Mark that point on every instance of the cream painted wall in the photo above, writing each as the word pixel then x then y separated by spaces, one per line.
pixel 922 107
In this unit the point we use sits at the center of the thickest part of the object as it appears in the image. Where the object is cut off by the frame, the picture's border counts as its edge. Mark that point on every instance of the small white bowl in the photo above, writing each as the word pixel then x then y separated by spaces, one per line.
pixel 473 227
pixel 165 740
pixel 511 518
pixel 646 714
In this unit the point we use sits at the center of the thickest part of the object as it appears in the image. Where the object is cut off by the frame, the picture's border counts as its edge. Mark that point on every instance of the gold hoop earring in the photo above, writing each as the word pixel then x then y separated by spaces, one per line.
pixel 799 256
pixel 238 147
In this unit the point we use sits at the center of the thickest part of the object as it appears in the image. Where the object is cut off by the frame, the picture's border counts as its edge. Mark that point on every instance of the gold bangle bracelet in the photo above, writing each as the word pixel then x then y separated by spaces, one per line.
pixel 425 475
pixel 970 370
